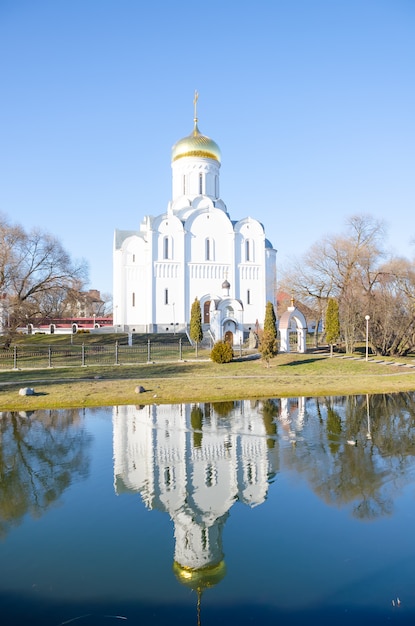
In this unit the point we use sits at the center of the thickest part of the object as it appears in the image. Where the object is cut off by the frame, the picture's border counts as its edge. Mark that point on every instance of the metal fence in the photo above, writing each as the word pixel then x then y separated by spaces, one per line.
pixel 42 357
pixel 39 357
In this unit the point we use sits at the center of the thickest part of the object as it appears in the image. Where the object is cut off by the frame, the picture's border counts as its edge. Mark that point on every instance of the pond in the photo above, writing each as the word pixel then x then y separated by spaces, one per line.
pixel 288 511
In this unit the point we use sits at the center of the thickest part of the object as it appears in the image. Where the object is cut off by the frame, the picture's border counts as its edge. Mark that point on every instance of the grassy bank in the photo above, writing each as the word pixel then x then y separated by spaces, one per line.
pixel 203 381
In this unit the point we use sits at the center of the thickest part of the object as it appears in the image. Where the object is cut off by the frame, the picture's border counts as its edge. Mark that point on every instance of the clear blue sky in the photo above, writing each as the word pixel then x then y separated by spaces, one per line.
pixel 312 103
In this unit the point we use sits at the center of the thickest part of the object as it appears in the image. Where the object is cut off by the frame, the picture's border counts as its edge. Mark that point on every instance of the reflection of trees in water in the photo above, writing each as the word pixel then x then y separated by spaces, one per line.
pixel 392 420
pixel 223 409
pixel 196 421
pixel 40 455
pixel 361 453
pixel 269 411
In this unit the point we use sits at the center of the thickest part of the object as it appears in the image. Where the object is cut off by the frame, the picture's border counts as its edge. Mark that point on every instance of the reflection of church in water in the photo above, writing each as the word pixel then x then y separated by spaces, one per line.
pixel 195 462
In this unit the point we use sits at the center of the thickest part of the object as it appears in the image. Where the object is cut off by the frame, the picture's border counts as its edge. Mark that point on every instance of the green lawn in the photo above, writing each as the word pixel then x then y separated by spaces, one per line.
pixel 203 381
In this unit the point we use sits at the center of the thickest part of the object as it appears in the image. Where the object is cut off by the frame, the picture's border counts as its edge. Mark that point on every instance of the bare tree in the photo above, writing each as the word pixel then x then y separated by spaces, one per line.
pixel 35 273
pixel 344 267
pixel 107 304
pixel 392 306
pixel 10 236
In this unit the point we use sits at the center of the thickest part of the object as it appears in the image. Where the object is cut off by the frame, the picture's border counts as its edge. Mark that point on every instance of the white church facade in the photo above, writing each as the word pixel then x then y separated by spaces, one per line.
pixel 194 250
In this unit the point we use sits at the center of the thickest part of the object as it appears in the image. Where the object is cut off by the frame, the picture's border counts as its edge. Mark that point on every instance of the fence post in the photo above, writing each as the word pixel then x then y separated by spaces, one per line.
pixel 49 356
pixel 15 358
pixel 180 350
pixel 83 354
pixel 116 353
pixel 148 351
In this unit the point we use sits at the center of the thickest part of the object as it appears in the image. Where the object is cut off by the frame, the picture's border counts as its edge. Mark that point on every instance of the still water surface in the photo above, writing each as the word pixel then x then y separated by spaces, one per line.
pixel 284 511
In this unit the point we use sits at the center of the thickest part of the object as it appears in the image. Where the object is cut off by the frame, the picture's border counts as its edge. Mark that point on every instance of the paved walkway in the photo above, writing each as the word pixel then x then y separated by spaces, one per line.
pixel 375 360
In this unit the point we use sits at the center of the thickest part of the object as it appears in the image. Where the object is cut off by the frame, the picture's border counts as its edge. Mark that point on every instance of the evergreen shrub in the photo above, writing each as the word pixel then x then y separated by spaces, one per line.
pixel 222 352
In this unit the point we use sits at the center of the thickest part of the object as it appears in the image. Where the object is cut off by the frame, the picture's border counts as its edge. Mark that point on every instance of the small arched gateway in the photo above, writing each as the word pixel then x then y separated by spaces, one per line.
pixel 293 321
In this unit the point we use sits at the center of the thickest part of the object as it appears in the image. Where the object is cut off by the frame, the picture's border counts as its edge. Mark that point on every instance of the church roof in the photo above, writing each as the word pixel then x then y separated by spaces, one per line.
pixel 196 145
pixel 121 235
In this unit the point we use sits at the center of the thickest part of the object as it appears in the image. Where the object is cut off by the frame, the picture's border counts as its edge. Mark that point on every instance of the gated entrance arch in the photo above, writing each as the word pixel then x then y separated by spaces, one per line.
pixel 293 321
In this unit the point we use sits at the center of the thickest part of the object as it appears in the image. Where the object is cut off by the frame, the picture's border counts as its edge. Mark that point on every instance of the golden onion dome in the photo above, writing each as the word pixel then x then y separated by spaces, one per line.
pixel 199 579
pixel 196 145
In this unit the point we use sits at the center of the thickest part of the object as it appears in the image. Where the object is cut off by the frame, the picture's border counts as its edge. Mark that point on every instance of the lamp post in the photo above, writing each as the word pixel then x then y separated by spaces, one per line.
pixel 174 320
pixel 367 318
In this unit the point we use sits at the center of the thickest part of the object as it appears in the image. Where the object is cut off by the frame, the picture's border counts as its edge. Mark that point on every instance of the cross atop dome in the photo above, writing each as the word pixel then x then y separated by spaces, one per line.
pixel 195 99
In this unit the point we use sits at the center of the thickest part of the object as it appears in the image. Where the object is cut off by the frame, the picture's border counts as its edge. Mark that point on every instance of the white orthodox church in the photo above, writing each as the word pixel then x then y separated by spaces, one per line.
pixel 194 250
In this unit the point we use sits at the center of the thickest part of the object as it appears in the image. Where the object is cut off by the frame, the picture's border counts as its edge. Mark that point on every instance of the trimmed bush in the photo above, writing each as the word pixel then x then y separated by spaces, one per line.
pixel 221 352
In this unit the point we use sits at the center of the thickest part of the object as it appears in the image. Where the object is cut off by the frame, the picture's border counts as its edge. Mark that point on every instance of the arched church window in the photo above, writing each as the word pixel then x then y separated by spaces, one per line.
pixel 166 296
pixel 133 299
pixel 200 183
pixel 249 250
pixel 248 296
pixel 208 249
pixel 229 311
pixel 167 251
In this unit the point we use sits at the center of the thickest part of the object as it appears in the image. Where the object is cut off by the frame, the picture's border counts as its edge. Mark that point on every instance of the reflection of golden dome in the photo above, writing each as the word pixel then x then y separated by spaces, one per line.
pixel 199 579
pixel 196 145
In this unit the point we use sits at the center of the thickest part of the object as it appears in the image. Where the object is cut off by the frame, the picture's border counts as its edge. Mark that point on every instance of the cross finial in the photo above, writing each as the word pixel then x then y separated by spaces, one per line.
pixel 195 99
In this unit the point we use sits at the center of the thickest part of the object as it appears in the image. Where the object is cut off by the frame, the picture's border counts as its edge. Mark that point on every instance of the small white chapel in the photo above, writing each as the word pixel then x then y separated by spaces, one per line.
pixel 194 251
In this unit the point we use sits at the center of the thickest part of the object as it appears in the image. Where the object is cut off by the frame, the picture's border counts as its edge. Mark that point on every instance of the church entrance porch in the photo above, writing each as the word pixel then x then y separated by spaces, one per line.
pixel 225 318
